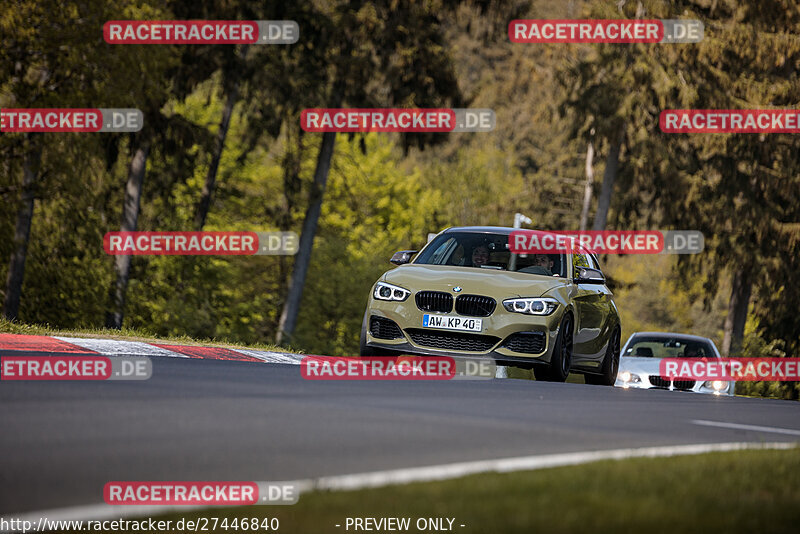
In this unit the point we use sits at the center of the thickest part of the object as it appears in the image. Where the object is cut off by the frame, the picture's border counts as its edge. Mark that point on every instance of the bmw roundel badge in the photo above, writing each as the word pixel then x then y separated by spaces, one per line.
pixel 457 289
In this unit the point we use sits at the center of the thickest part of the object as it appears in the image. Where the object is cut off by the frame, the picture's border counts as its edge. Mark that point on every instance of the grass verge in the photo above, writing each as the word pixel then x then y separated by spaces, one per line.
pixel 127 334
pixel 732 492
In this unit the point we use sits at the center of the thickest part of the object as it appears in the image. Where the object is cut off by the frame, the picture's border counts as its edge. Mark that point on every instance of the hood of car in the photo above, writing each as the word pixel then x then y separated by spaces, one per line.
pixel 470 280
pixel 639 366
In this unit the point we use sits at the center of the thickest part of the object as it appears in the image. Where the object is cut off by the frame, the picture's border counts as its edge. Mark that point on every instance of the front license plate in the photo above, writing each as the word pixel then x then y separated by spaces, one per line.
pixel 452 323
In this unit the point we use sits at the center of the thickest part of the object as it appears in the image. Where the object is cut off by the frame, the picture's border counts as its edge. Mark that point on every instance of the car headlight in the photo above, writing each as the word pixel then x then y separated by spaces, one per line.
pixel 531 306
pixel 629 378
pixel 384 291
pixel 716 385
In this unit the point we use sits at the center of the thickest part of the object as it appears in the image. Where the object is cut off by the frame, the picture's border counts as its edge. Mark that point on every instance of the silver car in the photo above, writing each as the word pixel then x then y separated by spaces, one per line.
pixel 642 353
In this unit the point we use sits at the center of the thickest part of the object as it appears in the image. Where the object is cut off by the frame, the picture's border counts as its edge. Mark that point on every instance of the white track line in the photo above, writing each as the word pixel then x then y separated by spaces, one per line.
pixel 525 463
pixel 755 428
pixel 414 474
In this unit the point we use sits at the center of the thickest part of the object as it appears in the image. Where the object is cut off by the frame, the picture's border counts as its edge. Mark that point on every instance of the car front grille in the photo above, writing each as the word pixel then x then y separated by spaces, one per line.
pixel 383 328
pixel 435 301
pixel 452 340
pixel 661 382
pixel 527 342
pixel 475 305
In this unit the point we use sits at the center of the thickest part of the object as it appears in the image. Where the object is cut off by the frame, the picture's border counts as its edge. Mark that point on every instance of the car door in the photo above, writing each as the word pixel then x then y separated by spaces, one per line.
pixel 593 308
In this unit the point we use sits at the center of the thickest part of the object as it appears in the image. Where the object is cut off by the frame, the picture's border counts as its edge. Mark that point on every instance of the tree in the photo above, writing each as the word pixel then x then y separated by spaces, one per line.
pixel 734 188
pixel 370 50
pixel 16 269
pixel 742 186
pixel 49 62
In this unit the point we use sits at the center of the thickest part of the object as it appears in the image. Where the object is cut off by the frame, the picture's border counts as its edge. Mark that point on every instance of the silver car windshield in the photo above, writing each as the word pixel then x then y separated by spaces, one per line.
pixel 665 347
pixel 488 251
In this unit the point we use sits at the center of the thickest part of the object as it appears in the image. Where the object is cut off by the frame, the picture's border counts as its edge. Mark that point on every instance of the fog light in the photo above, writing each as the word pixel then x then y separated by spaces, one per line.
pixel 716 385
pixel 625 376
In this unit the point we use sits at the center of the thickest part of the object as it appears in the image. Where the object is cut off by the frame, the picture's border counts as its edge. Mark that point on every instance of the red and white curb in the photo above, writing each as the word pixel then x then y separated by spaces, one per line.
pixel 113 347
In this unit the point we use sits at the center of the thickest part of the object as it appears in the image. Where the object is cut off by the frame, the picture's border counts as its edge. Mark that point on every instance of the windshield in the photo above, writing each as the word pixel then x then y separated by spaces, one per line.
pixel 666 347
pixel 488 251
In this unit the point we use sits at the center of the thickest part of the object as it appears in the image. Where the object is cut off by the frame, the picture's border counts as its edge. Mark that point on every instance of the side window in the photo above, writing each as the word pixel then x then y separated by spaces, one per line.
pixel 442 252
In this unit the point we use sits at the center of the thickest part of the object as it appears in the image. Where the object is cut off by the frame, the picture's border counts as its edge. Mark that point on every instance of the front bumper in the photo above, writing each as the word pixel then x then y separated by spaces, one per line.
pixel 495 340
pixel 647 381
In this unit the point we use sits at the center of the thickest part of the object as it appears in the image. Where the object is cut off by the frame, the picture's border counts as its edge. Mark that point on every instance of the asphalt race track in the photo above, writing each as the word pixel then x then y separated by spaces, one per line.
pixel 225 420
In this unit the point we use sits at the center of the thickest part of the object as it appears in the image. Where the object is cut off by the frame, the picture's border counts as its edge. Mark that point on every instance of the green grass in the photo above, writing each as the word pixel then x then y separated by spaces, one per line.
pixel 127 334
pixel 749 492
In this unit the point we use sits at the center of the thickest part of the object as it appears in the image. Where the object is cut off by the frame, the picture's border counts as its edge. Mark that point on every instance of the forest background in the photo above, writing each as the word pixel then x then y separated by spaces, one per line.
pixel 222 150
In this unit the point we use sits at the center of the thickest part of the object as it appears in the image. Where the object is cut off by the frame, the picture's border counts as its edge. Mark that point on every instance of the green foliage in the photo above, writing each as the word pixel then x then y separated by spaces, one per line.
pixel 372 209
pixel 386 192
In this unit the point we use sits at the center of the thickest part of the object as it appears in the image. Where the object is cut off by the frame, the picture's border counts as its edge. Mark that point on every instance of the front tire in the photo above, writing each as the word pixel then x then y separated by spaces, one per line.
pixel 363 349
pixel 610 366
pixel 561 360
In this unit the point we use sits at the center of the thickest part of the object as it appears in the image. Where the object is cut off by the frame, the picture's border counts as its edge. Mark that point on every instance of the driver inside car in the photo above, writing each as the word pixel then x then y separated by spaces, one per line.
pixel 544 261
pixel 480 255
pixel 692 351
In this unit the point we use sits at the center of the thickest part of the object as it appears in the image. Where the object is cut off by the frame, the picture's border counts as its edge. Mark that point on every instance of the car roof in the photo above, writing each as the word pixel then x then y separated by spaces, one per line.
pixel 674 335
pixel 481 229
pixel 502 230
pixel 506 230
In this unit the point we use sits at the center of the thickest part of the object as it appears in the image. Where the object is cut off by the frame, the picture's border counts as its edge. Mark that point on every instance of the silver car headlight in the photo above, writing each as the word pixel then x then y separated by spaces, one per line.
pixel 531 306
pixel 629 378
pixel 384 291
pixel 716 385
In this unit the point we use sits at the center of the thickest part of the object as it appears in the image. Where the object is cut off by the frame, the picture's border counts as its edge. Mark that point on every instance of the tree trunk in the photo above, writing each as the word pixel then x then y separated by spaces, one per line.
pixel 130 217
pixel 211 177
pixel 737 314
pixel 588 189
pixel 22 232
pixel 302 259
pixel 609 177
pixel 292 185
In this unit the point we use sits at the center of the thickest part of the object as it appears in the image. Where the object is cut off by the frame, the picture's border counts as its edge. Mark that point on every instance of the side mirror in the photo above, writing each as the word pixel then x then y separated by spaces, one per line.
pixel 402 256
pixel 587 275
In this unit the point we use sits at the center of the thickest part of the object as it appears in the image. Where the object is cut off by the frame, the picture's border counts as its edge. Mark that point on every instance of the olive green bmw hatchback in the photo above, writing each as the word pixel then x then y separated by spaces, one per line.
pixel 466 294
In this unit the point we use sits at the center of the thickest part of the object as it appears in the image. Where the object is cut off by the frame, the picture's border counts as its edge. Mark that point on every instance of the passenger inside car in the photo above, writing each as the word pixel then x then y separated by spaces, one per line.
pixel 693 351
pixel 544 264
